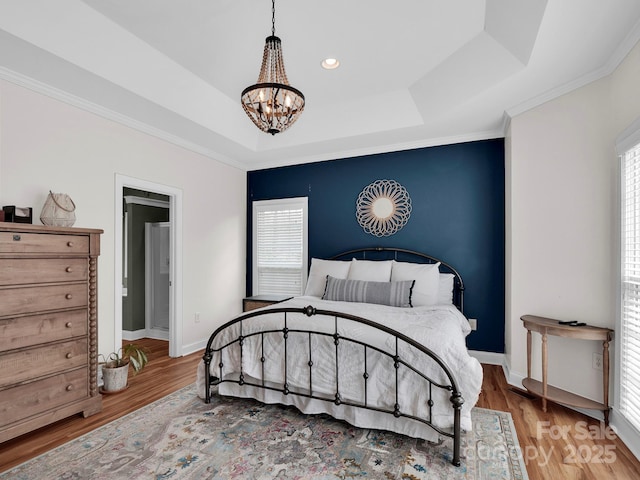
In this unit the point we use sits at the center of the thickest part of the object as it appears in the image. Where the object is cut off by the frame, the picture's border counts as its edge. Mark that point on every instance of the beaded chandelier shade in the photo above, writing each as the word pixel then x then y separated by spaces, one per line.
pixel 272 104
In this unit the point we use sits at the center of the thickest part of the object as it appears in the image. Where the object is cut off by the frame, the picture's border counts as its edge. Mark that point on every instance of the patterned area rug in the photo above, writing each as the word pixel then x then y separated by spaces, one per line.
pixel 180 437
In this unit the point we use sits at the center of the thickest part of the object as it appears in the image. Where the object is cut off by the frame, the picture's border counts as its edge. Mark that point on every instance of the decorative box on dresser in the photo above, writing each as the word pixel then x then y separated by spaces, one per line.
pixel 48 325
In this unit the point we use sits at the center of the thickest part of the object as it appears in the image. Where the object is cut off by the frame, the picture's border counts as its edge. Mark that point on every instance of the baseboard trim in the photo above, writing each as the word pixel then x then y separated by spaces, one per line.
pixel 513 379
pixel 194 347
pixel 627 432
pixel 157 334
pixel 490 358
pixel 132 335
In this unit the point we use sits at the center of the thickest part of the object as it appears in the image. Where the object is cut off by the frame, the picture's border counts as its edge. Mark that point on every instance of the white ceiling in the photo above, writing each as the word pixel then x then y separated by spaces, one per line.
pixel 413 72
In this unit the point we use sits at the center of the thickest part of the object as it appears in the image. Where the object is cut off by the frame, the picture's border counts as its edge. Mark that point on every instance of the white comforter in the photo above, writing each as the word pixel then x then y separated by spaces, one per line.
pixel 441 328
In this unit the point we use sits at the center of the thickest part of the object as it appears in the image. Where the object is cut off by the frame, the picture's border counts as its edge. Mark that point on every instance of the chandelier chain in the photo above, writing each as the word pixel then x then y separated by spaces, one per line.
pixel 273 18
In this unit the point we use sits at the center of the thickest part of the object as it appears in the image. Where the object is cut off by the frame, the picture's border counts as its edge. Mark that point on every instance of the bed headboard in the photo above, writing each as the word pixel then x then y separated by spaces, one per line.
pixel 404 255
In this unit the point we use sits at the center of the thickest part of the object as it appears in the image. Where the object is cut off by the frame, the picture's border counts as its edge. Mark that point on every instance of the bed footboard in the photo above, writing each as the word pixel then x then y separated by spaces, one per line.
pixel 236 344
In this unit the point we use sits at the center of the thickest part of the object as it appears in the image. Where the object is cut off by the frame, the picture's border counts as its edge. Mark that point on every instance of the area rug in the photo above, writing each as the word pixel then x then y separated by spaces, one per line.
pixel 179 437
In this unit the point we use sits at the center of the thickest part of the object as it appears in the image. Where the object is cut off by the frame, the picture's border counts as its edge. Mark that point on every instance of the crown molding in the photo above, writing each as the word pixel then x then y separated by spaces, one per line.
pixel 395 147
pixel 619 54
pixel 75 101
pixel 629 138
pixel 557 92
pixel 506 123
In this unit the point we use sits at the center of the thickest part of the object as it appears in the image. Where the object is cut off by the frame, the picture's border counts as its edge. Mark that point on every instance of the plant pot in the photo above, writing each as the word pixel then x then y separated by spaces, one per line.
pixel 115 378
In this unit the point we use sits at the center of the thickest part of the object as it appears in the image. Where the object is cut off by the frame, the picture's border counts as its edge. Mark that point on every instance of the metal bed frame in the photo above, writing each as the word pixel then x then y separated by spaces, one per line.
pixel 285 388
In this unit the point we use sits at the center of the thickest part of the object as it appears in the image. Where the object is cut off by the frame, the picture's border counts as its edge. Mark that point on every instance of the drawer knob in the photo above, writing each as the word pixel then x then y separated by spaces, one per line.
pixel 68 269
pixel 68 324
pixel 69 388
pixel 69 244
pixel 69 355
pixel 68 296
pixel 16 238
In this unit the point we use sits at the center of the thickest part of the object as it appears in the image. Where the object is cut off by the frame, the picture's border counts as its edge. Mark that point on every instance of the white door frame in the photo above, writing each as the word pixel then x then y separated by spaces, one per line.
pixel 175 269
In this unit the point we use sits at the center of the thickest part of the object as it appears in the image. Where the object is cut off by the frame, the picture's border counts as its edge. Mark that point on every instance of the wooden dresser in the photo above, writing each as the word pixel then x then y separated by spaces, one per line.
pixel 48 325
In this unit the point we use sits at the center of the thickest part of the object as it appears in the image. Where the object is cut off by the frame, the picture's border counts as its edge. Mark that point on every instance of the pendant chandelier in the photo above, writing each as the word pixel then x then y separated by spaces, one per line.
pixel 272 104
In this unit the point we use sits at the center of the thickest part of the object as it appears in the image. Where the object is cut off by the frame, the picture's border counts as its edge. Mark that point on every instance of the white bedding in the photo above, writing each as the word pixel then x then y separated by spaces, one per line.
pixel 441 328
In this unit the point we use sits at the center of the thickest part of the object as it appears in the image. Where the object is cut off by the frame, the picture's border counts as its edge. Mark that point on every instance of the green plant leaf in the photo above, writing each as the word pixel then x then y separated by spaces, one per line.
pixel 135 363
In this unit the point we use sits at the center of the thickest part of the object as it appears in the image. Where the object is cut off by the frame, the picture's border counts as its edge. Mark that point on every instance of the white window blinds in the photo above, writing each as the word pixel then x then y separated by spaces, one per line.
pixel 629 336
pixel 280 246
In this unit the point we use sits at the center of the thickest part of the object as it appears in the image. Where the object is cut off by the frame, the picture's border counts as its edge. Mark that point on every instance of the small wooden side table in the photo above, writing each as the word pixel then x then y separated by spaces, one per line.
pixel 259 301
pixel 549 326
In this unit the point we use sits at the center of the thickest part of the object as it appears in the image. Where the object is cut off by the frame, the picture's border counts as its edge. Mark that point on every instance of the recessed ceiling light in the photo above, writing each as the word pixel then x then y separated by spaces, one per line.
pixel 330 63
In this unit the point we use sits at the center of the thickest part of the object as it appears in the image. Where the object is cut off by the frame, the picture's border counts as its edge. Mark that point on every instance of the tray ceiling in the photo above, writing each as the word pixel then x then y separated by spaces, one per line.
pixel 413 73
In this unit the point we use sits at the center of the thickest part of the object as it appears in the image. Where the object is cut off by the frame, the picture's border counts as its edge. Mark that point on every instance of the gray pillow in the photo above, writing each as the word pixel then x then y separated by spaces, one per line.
pixel 394 294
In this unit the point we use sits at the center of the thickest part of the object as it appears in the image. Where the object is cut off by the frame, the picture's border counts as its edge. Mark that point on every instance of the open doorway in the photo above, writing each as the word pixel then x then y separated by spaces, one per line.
pixel 145 265
pixel 138 203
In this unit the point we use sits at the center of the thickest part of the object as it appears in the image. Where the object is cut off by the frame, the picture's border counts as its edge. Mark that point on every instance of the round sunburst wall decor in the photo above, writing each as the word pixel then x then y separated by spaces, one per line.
pixel 383 208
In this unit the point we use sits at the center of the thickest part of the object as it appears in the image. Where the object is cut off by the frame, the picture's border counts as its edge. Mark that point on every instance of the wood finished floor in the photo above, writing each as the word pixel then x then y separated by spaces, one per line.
pixel 549 453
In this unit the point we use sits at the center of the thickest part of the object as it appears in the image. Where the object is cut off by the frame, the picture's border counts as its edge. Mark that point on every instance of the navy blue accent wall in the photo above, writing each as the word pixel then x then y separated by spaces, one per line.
pixel 458 211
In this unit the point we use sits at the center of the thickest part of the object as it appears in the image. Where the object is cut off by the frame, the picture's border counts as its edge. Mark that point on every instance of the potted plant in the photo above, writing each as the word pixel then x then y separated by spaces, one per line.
pixel 115 368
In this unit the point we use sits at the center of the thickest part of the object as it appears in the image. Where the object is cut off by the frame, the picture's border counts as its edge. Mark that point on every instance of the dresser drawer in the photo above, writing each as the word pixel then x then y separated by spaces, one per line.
pixel 21 402
pixel 19 366
pixel 42 298
pixel 19 332
pixel 18 242
pixel 20 271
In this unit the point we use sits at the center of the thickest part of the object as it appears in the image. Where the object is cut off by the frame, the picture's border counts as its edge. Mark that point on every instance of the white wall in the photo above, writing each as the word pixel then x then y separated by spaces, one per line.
pixel 562 219
pixel 48 145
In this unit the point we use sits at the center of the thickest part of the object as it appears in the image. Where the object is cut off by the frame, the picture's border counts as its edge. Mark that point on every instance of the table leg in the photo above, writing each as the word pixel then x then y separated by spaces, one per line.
pixel 544 372
pixel 605 376
pixel 528 353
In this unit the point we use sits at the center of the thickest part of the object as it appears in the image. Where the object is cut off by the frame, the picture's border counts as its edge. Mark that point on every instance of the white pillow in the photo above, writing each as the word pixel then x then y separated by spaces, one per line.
pixel 371 270
pixel 445 289
pixel 427 277
pixel 318 274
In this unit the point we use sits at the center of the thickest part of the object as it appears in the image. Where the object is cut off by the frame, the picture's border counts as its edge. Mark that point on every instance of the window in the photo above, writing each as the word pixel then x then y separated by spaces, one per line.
pixel 629 329
pixel 280 246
